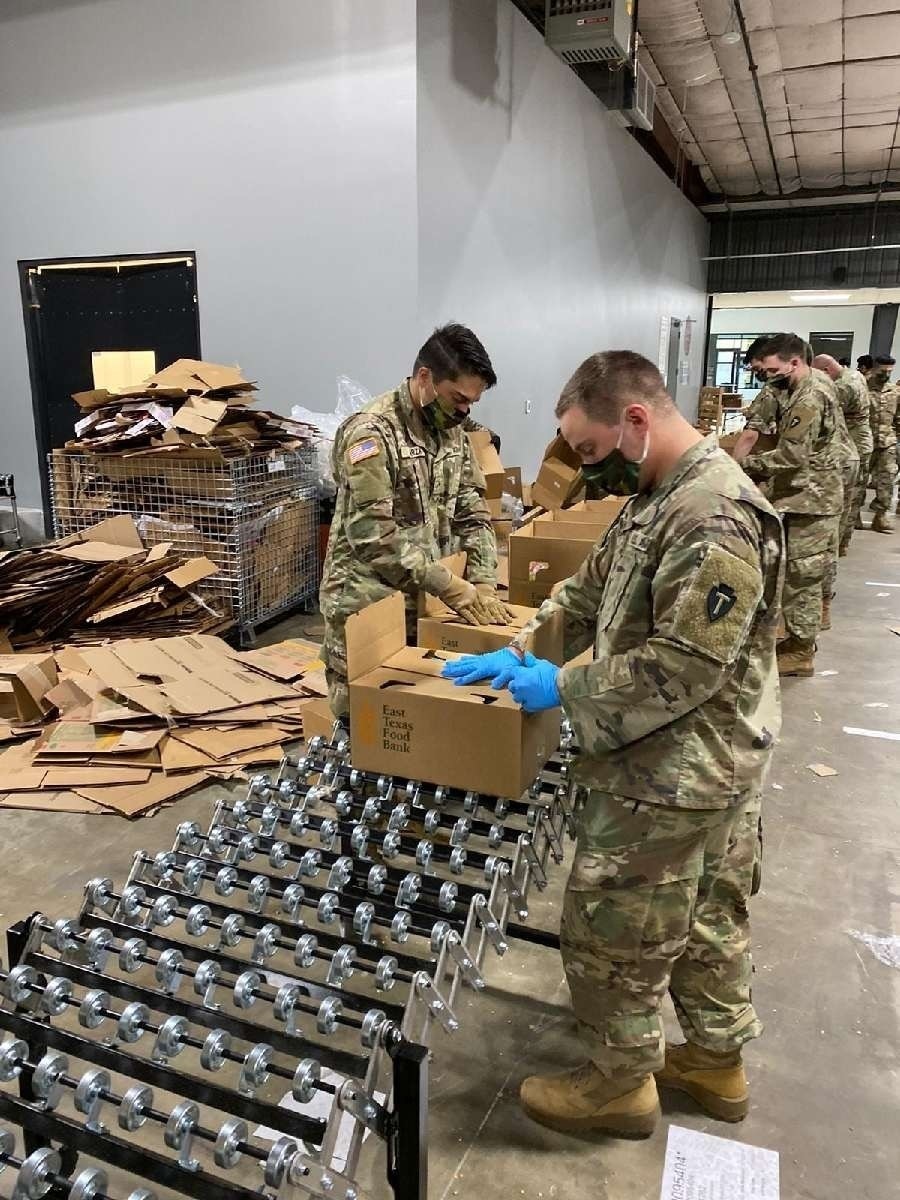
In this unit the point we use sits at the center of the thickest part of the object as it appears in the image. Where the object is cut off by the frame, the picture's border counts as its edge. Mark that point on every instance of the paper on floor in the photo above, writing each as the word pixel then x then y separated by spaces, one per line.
pixel 885 948
pixel 702 1167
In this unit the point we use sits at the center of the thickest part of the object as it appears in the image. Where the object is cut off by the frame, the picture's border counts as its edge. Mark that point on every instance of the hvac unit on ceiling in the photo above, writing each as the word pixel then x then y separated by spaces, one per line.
pixel 589 31
pixel 643 100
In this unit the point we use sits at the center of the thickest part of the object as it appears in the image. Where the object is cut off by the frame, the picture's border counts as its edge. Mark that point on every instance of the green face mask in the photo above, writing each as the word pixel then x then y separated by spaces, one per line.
pixel 880 375
pixel 615 473
pixel 440 418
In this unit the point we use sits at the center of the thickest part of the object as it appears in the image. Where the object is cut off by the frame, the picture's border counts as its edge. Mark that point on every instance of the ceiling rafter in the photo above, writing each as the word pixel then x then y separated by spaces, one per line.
pixel 827 88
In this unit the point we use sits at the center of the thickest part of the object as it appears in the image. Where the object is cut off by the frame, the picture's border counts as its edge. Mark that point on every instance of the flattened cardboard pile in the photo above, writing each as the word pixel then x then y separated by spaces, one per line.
pixel 190 406
pixel 102 584
pixel 130 726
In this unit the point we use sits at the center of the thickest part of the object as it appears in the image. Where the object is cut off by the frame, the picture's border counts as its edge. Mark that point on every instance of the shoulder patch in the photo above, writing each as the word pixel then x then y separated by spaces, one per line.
pixel 363 450
pixel 715 608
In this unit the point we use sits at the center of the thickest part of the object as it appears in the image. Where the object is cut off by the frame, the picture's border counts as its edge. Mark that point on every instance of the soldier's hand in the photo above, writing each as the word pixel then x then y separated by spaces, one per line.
pixel 745 443
pixel 502 614
pixel 461 596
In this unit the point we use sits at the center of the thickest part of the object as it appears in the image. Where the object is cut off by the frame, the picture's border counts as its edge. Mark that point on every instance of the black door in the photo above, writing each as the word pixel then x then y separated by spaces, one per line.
pixel 74 307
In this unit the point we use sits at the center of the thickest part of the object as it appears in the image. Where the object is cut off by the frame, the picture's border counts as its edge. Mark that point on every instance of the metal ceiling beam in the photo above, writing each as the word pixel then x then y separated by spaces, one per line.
pixel 754 73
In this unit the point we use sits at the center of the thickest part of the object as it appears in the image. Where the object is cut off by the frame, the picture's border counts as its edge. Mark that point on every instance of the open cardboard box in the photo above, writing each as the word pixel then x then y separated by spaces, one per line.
pixel 559 479
pixel 540 556
pixel 408 721
pixel 445 631
pixel 489 461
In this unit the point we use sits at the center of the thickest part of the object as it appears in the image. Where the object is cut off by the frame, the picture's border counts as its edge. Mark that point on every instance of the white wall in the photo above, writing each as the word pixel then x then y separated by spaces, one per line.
pixel 296 146
pixel 819 318
pixel 542 224
pixel 276 138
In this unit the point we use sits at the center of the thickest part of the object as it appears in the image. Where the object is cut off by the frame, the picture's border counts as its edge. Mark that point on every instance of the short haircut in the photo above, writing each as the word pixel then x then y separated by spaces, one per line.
pixel 784 346
pixel 751 352
pixel 865 362
pixel 844 362
pixel 453 350
pixel 606 383
pixel 884 360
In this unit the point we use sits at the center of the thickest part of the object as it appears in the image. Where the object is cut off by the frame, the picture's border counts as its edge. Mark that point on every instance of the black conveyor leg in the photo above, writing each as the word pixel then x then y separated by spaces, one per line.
pixel 408 1143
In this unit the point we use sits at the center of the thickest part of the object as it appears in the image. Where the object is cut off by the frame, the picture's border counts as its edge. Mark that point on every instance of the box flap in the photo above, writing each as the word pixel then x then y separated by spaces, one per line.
pixel 374 634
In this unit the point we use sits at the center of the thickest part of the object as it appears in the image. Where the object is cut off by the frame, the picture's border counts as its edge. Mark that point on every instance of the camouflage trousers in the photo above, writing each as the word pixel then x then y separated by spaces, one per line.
pixel 657 902
pixel 850 475
pixel 859 493
pixel 884 473
pixel 811 544
pixel 334 655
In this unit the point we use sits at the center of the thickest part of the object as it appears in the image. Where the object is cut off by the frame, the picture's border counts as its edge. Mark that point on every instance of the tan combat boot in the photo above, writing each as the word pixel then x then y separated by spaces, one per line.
pixel 826 614
pixel 716 1081
pixel 584 1099
pixel 882 523
pixel 796 657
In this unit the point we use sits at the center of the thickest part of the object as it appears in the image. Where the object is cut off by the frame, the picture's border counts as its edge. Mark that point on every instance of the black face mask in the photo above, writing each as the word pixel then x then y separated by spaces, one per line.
pixel 781 383
pixel 440 419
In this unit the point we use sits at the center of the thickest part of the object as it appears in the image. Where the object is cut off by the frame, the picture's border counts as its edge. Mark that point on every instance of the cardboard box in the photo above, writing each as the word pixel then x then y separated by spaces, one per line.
pixel 409 722
pixel 447 632
pixel 601 512
pixel 556 524
pixel 538 559
pixel 559 480
pixel 318 720
pixel 512 481
pixel 489 461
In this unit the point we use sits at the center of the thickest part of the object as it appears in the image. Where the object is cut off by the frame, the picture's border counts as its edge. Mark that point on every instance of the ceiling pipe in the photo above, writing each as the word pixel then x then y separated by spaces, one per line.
pixel 800 253
pixel 754 71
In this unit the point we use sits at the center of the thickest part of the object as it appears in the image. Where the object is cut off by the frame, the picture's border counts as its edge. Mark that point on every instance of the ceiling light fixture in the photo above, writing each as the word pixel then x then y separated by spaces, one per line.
pixel 732 34
pixel 819 297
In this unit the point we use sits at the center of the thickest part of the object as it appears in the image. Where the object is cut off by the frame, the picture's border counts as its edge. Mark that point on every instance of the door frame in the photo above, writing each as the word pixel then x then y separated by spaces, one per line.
pixel 29 268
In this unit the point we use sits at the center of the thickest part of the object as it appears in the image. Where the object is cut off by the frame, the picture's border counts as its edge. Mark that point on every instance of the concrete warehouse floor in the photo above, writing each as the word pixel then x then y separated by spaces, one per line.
pixel 825 1079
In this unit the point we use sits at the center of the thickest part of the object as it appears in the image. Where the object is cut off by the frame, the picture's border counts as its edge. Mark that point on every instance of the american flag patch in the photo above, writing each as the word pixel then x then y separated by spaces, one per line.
pixel 362 450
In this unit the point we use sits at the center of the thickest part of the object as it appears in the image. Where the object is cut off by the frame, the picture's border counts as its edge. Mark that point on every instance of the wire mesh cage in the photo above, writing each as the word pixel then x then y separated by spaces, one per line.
pixel 255 517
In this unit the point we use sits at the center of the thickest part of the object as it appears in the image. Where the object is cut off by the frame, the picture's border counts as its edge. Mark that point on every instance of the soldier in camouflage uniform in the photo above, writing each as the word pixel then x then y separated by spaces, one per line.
pixel 853 397
pixel 883 398
pixel 409 492
pixel 806 488
pixel 676 718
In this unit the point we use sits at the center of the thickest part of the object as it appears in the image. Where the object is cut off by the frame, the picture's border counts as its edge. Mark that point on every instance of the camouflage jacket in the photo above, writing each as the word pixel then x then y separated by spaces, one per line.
pixel 853 396
pixel 405 498
pixel 680 599
pixel 762 415
pixel 883 400
pixel 805 467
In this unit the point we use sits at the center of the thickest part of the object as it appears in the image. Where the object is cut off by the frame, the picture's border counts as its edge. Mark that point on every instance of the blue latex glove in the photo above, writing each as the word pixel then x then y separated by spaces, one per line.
pixel 498 666
pixel 533 686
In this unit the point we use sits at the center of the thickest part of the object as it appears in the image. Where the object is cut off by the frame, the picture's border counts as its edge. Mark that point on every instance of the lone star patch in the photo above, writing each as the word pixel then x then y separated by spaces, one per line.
pixel 720 600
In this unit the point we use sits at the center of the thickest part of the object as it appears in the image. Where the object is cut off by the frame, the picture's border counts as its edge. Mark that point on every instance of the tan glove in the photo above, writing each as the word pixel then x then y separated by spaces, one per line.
pixel 501 614
pixel 463 598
